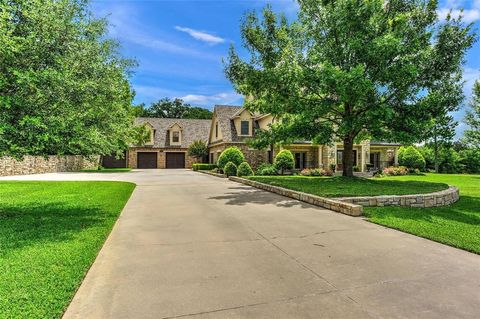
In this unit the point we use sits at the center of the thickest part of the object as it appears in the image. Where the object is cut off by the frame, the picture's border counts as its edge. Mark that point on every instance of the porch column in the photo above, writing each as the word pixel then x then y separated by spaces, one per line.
pixel 320 162
pixel 395 155
pixel 362 168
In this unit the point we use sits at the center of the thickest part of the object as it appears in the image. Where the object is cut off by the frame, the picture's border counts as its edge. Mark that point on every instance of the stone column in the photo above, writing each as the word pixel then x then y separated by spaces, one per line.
pixel 320 160
pixel 395 155
pixel 362 158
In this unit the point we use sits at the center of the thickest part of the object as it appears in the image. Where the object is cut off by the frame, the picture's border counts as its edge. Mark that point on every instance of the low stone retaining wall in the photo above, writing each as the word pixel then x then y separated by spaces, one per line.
pixel 332 204
pixel 212 173
pixel 40 164
pixel 441 198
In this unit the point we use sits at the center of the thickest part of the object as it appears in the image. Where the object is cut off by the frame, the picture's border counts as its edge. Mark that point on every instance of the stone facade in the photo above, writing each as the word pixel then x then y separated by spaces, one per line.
pixel 50 164
pixel 161 157
pixel 252 156
pixel 442 198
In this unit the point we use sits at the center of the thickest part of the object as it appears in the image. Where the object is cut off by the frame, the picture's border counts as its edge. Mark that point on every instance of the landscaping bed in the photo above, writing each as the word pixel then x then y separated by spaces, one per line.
pixel 50 234
pixel 339 186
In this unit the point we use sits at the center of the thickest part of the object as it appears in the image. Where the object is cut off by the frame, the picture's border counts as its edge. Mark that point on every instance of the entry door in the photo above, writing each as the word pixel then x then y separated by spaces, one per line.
pixel 300 160
pixel 147 159
pixel 175 160
pixel 375 159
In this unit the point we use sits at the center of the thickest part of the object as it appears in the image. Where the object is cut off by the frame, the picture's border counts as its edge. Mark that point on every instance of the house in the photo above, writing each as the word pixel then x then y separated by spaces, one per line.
pixel 233 126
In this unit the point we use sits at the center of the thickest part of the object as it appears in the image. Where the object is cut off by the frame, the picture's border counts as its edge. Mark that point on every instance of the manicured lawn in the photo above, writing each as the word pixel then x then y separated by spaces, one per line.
pixel 50 234
pixel 341 186
pixel 457 225
pixel 107 170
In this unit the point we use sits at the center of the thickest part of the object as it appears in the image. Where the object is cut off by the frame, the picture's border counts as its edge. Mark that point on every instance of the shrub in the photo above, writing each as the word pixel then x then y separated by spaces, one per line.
pixel 231 154
pixel 395 171
pixel 284 160
pixel 230 169
pixel 316 172
pixel 411 158
pixel 244 169
pixel 356 168
pixel 198 149
pixel 266 169
pixel 203 167
pixel 470 159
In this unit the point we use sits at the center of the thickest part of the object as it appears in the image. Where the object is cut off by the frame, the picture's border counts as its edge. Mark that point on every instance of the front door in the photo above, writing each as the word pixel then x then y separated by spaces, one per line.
pixel 375 159
pixel 300 160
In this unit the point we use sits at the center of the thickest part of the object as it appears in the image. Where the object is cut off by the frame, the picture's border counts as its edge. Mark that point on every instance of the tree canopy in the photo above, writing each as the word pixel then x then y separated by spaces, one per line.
pixel 63 83
pixel 348 70
pixel 166 108
pixel 472 119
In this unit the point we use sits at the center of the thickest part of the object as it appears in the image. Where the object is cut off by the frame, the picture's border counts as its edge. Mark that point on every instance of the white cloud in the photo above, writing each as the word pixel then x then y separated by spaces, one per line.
pixel 219 98
pixel 468 15
pixel 201 35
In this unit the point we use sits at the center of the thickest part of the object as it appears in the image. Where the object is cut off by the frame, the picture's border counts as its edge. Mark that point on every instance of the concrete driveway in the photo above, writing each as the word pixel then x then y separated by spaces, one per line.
pixel 195 246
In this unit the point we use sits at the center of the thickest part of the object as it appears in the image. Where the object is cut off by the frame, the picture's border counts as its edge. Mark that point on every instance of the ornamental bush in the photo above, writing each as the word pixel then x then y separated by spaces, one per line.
pixel 203 167
pixel 411 158
pixel 284 161
pixel 316 172
pixel 231 154
pixel 266 169
pixel 230 169
pixel 244 169
pixel 198 149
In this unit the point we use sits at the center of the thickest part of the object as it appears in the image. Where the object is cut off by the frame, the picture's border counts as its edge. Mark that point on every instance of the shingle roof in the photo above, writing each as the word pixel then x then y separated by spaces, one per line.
pixel 191 130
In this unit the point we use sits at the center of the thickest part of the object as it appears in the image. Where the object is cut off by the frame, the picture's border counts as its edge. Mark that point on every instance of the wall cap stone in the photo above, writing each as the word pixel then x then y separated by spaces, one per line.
pixel 212 173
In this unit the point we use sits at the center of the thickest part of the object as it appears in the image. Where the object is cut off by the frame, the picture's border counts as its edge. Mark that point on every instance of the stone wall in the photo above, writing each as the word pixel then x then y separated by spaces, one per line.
pixel 332 204
pixel 51 164
pixel 442 198
pixel 252 156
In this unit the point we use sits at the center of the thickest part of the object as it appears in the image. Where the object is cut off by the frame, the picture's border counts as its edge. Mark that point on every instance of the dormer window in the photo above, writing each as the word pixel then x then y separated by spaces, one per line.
pixel 245 127
pixel 176 137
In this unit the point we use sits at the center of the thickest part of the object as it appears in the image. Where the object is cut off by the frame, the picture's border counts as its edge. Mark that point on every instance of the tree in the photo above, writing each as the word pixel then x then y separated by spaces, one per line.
pixel 348 70
pixel 198 149
pixel 63 84
pixel 411 158
pixel 166 108
pixel 284 160
pixel 472 119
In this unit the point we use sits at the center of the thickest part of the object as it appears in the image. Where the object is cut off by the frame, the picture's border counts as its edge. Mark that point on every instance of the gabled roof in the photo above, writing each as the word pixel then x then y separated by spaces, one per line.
pixel 224 114
pixel 191 130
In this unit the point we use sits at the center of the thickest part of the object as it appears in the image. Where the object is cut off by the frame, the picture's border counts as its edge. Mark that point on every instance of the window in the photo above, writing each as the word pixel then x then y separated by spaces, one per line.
pixel 176 137
pixel 245 128
pixel 216 130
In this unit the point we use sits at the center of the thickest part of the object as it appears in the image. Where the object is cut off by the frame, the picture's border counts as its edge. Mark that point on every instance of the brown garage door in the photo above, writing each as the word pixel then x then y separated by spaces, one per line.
pixel 175 160
pixel 147 160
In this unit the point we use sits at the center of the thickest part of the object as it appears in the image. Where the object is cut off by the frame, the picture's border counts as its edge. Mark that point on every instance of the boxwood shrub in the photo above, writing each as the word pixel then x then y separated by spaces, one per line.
pixel 230 169
pixel 203 167
pixel 244 169
pixel 232 154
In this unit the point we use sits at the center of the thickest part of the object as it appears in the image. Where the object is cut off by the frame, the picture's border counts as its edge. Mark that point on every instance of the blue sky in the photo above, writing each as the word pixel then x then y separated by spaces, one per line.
pixel 179 44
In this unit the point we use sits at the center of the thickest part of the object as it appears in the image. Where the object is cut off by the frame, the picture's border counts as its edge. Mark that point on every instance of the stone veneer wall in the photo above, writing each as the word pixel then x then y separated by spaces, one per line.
pixel 51 164
pixel 441 198
pixel 332 204
pixel 252 156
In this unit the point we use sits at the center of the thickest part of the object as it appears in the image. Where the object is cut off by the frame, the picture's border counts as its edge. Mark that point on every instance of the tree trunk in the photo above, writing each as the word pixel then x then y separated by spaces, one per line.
pixel 347 160
pixel 100 161
pixel 435 148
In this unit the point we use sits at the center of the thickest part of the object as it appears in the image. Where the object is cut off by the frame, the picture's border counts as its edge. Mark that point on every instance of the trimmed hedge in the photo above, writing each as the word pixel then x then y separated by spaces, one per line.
pixel 266 170
pixel 244 169
pixel 284 161
pixel 230 169
pixel 203 167
pixel 232 154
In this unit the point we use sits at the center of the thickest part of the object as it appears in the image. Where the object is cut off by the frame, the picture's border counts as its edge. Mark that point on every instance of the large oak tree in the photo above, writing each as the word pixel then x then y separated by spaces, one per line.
pixel 63 84
pixel 348 70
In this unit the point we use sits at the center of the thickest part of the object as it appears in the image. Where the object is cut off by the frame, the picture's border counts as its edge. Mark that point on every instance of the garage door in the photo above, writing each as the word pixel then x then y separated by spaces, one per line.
pixel 175 160
pixel 147 160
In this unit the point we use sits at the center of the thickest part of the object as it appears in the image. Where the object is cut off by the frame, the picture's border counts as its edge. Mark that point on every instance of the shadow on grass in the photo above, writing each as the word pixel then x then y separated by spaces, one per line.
pixel 22 225
pixel 248 195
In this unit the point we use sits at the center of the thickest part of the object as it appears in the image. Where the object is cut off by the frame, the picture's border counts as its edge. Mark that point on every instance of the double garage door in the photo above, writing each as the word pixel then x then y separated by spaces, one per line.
pixel 149 160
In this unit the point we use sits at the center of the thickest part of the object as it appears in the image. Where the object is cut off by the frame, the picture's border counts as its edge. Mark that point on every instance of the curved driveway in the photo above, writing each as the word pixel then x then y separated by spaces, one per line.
pixel 189 245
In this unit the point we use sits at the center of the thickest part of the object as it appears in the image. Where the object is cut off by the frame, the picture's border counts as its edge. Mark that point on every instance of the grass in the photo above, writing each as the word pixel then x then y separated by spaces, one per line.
pixel 50 234
pixel 456 225
pixel 107 170
pixel 342 186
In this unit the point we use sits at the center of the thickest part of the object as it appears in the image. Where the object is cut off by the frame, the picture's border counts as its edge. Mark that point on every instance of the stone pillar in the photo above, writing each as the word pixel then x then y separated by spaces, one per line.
pixel 362 158
pixel 395 155
pixel 320 159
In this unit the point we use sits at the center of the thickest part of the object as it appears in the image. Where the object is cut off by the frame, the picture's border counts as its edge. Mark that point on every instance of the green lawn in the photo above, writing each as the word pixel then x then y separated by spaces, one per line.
pixel 107 170
pixel 341 186
pixel 50 234
pixel 457 225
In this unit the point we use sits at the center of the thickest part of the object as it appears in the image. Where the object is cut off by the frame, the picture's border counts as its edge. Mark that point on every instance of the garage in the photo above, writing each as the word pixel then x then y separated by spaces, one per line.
pixel 147 160
pixel 111 161
pixel 175 160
